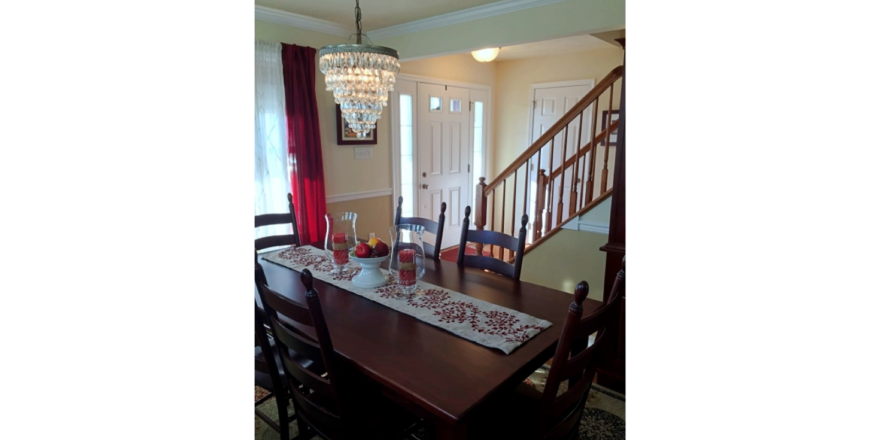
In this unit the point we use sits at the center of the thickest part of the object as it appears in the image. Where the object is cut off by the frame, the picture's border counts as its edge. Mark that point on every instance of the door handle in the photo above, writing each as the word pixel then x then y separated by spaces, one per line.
pixel 424 186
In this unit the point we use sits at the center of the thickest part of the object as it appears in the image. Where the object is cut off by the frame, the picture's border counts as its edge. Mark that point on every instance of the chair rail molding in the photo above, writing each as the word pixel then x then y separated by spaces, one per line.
pixel 345 197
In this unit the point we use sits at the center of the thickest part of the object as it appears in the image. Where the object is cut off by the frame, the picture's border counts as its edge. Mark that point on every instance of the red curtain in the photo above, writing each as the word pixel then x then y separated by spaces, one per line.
pixel 304 142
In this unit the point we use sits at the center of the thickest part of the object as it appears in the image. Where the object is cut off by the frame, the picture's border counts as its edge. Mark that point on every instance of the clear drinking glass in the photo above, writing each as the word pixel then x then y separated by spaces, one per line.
pixel 407 263
pixel 341 238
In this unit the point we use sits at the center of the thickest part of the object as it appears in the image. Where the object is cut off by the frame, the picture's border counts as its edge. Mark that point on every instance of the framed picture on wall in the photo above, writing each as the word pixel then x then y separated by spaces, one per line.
pixel 345 136
pixel 615 114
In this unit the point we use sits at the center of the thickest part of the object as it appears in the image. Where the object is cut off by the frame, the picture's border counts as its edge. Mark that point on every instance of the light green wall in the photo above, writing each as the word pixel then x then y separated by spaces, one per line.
pixel 600 213
pixel 556 20
pixel 567 258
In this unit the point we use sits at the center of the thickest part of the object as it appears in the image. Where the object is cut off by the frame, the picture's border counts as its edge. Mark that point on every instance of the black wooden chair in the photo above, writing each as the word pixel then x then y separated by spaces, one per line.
pixel 530 414
pixel 269 376
pixel 515 245
pixel 277 219
pixel 327 395
pixel 431 226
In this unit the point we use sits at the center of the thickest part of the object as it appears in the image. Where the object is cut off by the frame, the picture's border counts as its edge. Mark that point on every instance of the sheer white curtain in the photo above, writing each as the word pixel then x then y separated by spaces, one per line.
pixel 271 174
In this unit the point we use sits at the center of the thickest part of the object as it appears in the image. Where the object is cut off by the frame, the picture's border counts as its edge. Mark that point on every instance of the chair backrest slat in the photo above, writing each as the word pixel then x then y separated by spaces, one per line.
pixel 306 377
pixel 489 263
pixel 274 240
pixel 429 225
pixel 436 228
pixel 271 219
pixel 328 424
pixel 289 308
pixel 296 342
pixel 278 219
pixel 576 362
pixel 517 245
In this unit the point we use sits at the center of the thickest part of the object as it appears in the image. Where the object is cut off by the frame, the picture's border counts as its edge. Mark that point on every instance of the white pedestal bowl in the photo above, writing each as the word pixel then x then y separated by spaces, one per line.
pixel 370 275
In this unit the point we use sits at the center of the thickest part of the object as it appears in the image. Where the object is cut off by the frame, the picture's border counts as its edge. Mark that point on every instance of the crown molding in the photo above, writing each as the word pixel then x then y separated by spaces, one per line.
pixel 301 21
pixel 464 15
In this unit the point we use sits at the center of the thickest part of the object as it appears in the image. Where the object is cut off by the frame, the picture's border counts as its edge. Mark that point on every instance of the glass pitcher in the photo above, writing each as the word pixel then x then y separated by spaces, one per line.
pixel 407 262
pixel 341 238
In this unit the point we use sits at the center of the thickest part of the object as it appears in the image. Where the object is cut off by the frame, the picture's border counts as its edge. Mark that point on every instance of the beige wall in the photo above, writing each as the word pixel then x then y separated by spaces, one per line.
pixel 374 215
pixel 567 258
pixel 459 67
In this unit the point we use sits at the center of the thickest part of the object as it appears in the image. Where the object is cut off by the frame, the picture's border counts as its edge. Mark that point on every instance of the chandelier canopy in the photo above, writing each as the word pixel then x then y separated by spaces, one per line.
pixel 360 77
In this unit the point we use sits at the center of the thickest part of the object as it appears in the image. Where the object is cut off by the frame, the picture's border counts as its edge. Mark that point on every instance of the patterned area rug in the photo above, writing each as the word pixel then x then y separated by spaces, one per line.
pixel 603 419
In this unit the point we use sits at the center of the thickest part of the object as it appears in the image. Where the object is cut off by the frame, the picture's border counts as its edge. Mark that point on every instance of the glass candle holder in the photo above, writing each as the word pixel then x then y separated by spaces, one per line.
pixel 341 238
pixel 407 263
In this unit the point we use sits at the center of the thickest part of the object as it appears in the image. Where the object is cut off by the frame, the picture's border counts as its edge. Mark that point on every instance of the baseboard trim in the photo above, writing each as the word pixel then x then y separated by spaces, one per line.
pixel 587 226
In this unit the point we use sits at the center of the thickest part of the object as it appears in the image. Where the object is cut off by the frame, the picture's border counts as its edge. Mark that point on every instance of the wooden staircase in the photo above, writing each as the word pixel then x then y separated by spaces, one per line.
pixel 576 150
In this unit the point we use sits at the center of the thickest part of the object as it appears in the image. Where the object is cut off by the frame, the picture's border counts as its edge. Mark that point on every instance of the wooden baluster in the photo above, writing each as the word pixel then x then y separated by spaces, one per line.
pixel 492 222
pixel 527 183
pixel 573 197
pixel 607 140
pixel 550 194
pixel 559 204
pixel 540 198
pixel 513 205
pixel 539 207
pixel 480 214
pixel 588 196
pixel 503 208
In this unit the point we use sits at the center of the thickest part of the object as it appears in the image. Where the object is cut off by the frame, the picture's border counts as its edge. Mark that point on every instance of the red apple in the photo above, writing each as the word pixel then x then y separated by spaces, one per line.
pixel 381 249
pixel 362 250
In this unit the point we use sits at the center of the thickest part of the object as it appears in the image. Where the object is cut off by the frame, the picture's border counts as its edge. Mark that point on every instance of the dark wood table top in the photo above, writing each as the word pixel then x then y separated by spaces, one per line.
pixel 442 373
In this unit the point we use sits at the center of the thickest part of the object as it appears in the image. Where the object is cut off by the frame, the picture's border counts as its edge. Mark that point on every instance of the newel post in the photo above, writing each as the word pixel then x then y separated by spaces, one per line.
pixel 480 215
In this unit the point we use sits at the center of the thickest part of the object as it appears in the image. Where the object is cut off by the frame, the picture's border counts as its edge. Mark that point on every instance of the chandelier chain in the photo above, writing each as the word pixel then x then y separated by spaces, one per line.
pixel 357 16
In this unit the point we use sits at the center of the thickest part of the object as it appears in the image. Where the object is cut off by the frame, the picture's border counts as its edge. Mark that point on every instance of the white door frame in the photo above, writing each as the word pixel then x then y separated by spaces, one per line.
pixel 550 85
pixel 395 134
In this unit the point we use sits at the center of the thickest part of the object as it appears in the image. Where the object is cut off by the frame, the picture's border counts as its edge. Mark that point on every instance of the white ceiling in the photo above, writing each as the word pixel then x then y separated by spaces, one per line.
pixel 552 47
pixel 386 18
pixel 375 14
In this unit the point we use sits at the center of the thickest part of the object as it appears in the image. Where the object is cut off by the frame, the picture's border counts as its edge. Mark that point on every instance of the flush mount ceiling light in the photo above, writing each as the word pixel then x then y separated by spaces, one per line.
pixel 360 76
pixel 486 55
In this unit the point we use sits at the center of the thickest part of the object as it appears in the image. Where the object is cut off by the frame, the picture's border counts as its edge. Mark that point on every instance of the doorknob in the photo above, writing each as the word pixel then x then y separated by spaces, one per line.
pixel 424 186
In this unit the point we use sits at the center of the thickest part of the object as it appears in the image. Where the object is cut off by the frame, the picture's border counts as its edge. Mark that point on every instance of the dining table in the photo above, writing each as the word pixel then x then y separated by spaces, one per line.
pixel 431 372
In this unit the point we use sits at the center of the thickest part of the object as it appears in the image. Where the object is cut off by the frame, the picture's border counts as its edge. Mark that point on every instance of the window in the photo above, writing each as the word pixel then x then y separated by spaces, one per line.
pixel 478 146
pixel 406 155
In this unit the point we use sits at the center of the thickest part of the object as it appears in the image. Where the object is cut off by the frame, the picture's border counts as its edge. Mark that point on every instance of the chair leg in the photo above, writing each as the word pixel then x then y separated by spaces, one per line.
pixel 283 419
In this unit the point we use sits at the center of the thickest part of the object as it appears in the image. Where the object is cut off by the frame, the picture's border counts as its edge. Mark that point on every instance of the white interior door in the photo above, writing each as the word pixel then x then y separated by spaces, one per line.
pixel 443 156
pixel 550 103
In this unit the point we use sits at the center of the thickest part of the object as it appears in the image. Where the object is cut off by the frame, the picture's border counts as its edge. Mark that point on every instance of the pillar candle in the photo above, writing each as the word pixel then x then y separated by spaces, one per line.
pixel 340 248
pixel 407 267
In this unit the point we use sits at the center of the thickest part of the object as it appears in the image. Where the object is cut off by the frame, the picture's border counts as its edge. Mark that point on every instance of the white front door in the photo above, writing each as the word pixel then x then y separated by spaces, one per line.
pixel 443 171
pixel 550 103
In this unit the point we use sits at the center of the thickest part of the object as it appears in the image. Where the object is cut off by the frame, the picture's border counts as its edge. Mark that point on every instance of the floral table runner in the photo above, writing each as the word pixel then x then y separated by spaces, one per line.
pixel 470 318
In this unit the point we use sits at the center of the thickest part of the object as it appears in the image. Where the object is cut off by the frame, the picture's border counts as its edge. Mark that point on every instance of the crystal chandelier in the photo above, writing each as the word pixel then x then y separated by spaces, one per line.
pixel 360 76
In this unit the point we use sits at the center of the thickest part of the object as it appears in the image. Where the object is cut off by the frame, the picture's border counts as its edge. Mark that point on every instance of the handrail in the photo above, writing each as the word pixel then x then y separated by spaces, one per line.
pixel 577 109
